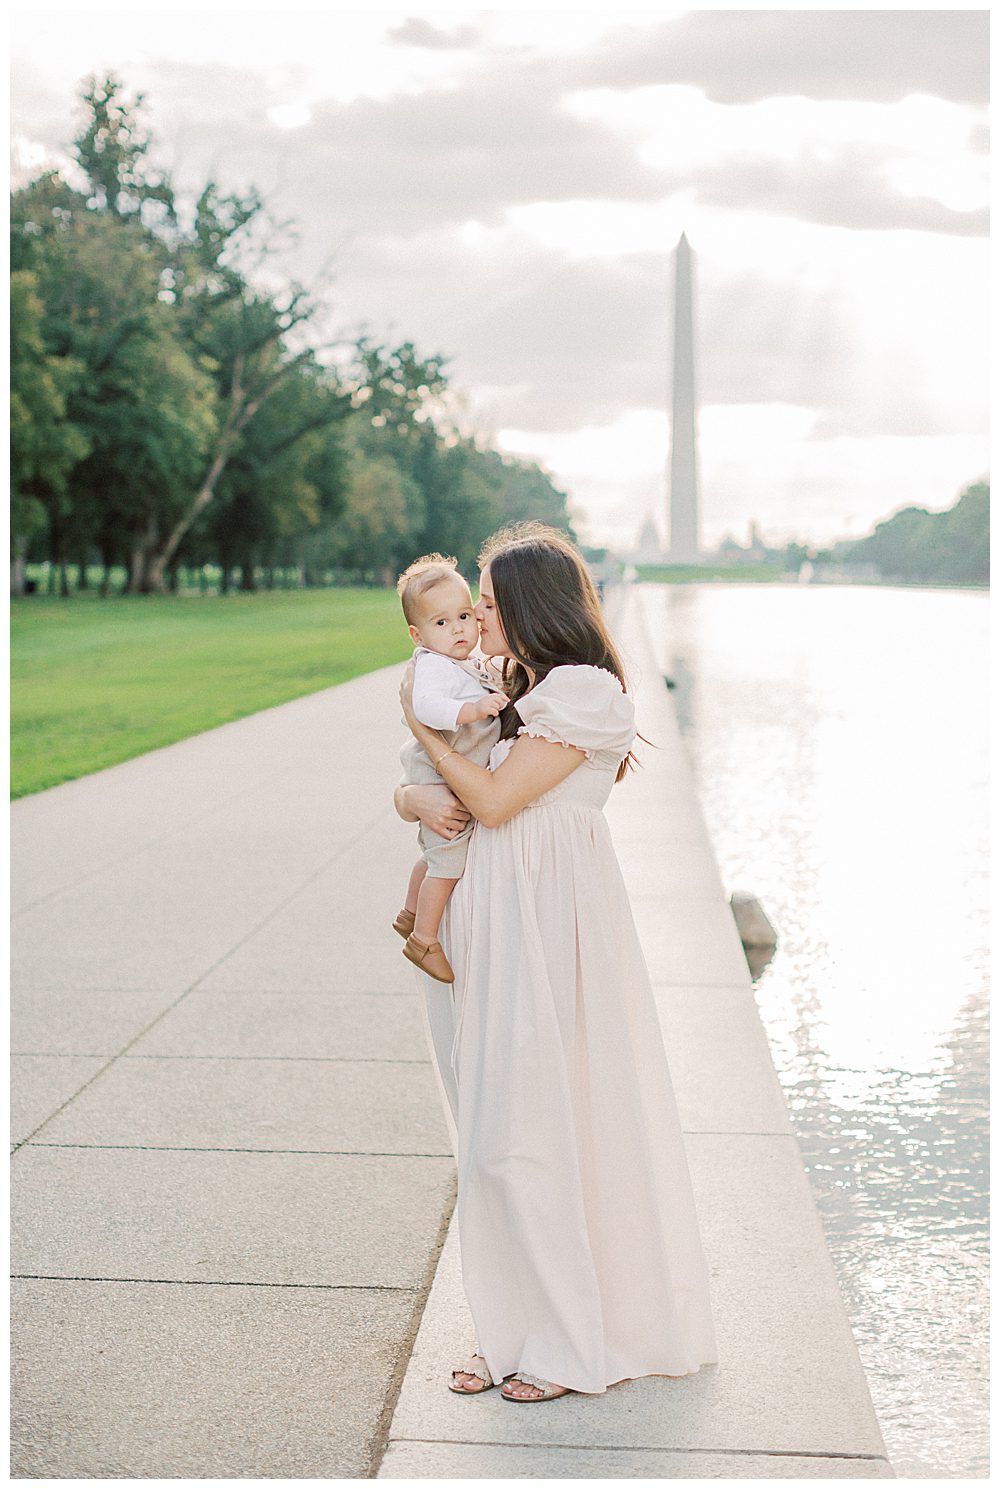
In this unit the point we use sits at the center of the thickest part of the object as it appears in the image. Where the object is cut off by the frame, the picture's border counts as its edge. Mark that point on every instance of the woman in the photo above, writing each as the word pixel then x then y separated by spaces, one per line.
pixel 581 1256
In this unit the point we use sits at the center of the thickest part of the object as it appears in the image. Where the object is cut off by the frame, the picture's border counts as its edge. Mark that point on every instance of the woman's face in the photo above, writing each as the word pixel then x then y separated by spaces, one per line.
pixel 491 636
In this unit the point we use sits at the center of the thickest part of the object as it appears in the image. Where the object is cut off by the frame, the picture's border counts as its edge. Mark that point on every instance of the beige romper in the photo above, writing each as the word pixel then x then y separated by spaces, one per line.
pixel 445 857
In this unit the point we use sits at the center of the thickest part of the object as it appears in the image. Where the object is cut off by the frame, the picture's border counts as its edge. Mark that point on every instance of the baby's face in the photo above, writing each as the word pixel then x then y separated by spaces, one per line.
pixel 446 620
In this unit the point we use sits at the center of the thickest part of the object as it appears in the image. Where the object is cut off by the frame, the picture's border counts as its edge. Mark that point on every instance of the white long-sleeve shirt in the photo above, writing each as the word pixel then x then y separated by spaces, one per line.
pixel 441 686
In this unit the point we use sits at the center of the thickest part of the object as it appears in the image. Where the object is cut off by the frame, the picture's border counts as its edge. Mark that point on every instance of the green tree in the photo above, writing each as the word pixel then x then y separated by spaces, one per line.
pixel 398 390
pixel 950 547
pixel 229 328
pixel 151 419
pixel 242 333
pixel 465 492
pixel 146 407
pixel 962 538
pixel 287 478
pixel 45 444
pixel 205 422
pixel 373 538
pixel 112 149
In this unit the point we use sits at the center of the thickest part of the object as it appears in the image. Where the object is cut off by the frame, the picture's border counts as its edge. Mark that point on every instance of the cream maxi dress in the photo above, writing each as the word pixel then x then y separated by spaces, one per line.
pixel 581 1256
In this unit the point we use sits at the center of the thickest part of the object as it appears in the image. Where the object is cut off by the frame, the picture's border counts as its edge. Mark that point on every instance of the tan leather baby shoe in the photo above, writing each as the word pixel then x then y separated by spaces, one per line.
pixel 404 923
pixel 428 956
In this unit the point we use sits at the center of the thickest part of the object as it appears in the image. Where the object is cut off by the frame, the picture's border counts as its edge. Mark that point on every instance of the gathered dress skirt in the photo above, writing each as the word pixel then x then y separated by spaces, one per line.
pixel 582 1260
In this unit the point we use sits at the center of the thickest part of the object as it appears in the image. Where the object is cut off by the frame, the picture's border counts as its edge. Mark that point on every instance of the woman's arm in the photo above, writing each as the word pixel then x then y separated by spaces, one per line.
pixel 533 767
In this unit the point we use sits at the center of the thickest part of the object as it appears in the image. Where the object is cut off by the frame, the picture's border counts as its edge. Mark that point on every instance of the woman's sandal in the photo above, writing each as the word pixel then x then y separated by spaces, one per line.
pixel 429 957
pixel 548 1390
pixel 476 1366
pixel 404 923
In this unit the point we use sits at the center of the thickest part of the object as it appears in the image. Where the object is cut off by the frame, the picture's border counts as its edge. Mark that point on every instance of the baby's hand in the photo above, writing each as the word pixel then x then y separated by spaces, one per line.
pixel 492 704
pixel 486 707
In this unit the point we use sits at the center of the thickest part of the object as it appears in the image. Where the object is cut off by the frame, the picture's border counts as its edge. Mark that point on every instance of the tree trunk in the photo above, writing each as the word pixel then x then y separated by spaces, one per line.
pixel 241 410
pixel 141 580
pixel 105 583
pixel 82 582
pixel 17 567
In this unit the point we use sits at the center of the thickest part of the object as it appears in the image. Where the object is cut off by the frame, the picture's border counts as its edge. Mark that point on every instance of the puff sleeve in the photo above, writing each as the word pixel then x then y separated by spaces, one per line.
pixel 581 706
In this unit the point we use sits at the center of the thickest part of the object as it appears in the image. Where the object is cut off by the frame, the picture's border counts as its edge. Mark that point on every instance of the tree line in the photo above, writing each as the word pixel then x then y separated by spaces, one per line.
pixel 912 546
pixel 918 546
pixel 170 408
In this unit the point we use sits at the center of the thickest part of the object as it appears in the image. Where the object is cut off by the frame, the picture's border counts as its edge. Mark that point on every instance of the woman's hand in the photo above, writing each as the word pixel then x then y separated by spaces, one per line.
pixel 435 806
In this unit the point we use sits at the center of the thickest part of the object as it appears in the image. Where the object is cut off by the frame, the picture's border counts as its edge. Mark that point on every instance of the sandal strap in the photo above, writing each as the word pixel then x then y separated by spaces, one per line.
pixel 534 1380
pixel 476 1366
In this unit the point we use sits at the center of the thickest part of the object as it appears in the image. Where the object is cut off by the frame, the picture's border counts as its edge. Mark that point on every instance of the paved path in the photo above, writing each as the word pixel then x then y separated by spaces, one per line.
pixel 232 1172
pixel 231 1177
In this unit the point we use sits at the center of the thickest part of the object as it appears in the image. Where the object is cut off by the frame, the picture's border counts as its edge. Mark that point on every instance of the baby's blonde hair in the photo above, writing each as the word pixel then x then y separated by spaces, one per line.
pixel 421 576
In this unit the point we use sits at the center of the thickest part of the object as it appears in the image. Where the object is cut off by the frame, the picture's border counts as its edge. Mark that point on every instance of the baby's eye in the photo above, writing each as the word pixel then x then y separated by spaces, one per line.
pixel 440 622
pixel 464 615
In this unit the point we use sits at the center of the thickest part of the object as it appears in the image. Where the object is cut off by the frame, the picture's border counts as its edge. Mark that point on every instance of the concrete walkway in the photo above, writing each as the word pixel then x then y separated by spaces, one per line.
pixel 231 1177
pixel 232 1172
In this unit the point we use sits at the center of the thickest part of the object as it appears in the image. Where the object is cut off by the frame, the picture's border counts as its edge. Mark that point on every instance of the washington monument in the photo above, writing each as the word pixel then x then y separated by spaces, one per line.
pixel 683 446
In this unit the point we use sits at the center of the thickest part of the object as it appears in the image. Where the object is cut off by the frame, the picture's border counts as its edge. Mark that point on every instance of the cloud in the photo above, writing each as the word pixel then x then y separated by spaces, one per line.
pixel 487 215
pixel 851 190
pixel 738 56
pixel 411 163
pixel 450 155
pixel 415 32
pixel 510 136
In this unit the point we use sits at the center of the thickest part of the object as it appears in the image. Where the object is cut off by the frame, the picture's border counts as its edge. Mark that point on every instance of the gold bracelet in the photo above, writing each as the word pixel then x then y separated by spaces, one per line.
pixel 437 763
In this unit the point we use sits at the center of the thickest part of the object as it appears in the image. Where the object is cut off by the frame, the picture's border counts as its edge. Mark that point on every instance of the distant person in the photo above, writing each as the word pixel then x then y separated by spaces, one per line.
pixel 581 1255
pixel 452 691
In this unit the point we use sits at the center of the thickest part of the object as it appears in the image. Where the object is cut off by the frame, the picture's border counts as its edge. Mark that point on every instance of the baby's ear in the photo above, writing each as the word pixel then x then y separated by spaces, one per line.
pixel 414 635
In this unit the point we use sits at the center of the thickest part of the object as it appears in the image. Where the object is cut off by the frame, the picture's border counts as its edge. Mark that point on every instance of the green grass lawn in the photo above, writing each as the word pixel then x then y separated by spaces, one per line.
pixel 94 681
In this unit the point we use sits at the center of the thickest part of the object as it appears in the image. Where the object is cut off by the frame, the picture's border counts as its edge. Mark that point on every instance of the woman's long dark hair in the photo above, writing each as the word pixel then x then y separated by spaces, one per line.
pixel 549 611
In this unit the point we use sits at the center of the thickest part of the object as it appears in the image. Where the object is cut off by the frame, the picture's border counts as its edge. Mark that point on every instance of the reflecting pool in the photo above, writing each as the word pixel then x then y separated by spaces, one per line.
pixel 839 741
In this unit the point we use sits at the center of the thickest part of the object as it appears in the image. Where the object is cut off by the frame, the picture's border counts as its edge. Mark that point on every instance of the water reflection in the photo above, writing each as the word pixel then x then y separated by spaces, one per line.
pixel 838 737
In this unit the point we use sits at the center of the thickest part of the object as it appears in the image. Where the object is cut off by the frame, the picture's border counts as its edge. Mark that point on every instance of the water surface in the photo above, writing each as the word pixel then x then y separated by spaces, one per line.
pixel 839 741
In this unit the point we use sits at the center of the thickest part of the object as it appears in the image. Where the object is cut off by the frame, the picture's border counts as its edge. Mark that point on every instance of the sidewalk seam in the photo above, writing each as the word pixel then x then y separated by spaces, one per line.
pixel 208 971
pixel 306 1059
pixel 270 1152
pixel 328 1287
pixel 479 1442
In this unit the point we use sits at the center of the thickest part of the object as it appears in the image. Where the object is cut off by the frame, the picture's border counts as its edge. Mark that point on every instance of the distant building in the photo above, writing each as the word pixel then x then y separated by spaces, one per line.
pixel 758 547
pixel 649 549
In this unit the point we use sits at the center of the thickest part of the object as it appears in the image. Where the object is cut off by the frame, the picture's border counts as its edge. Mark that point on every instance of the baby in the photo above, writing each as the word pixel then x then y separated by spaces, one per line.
pixel 452 692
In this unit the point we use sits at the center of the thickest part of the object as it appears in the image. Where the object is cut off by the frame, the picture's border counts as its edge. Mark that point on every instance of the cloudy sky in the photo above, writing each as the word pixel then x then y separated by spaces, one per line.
pixel 507 188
